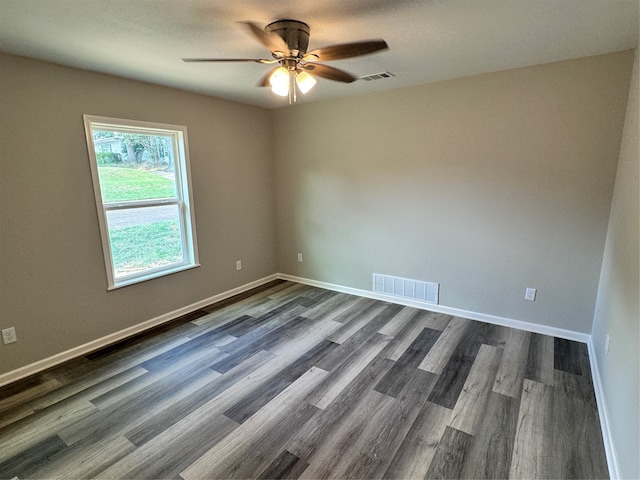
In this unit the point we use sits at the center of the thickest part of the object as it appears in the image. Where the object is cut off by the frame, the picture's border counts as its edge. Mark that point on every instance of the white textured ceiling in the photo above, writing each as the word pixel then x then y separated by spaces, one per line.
pixel 429 40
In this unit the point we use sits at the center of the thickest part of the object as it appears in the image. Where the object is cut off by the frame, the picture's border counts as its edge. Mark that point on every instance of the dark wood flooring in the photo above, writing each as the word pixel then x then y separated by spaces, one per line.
pixel 300 382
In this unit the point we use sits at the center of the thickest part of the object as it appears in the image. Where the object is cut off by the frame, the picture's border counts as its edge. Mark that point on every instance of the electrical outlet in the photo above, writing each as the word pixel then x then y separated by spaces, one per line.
pixel 239 265
pixel 9 335
pixel 300 257
pixel 606 344
pixel 530 294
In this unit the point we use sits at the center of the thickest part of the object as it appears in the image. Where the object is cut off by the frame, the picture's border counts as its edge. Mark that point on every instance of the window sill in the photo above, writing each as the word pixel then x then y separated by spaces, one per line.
pixel 150 276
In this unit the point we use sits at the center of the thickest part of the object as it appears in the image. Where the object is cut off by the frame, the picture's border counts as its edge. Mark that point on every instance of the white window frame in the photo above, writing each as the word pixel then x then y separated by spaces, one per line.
pixel 183 199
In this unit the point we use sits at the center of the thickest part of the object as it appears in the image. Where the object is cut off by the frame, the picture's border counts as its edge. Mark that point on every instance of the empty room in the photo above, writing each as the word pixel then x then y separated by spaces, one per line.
pixel 332 239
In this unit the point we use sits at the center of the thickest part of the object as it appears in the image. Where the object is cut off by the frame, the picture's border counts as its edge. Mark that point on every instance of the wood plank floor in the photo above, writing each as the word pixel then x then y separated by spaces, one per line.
pixel 292 381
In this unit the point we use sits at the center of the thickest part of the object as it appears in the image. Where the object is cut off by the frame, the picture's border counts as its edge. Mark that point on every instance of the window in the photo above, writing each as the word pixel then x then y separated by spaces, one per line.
pixel 141 182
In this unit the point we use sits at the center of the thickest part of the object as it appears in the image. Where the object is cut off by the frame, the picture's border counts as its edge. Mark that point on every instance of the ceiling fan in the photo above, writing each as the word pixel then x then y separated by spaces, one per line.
pixel 288 41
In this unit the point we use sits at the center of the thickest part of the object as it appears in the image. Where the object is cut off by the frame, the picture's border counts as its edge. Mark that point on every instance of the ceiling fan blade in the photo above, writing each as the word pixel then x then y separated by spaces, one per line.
pixel 330 73
pixel 255 60
pixel 264 81
pixel 347 50
pixel 273 42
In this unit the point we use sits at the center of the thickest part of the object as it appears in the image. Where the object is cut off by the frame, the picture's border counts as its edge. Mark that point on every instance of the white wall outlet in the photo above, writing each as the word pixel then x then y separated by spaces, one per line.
pixel 530 294
pixel 238 264
pixel 9 335
pixel 606 344
pixel 300 257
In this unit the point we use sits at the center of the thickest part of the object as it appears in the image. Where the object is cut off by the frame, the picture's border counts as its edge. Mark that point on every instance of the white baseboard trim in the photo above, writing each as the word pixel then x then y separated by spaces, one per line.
pixel 80 350
pixel 603 413
pixel 483 317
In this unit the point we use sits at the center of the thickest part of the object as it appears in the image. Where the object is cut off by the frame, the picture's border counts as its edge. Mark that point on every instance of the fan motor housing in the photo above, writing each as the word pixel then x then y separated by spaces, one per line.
pixel 293 32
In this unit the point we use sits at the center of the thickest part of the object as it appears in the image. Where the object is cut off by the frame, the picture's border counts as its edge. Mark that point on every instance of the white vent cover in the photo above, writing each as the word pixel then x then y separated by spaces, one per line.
pixel 377 76
pixel 404 287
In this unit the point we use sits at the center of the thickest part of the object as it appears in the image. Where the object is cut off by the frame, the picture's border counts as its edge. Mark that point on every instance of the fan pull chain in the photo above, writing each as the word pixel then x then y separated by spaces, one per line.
pixel 292 87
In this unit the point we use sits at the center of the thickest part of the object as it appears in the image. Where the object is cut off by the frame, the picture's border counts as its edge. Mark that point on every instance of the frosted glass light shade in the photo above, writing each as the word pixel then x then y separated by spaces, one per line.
pixel 279 81
pixel 305 82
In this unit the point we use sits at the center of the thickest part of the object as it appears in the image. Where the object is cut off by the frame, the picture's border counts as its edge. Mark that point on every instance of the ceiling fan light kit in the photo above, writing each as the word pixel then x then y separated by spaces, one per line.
pixel 283 82
pixel 288 41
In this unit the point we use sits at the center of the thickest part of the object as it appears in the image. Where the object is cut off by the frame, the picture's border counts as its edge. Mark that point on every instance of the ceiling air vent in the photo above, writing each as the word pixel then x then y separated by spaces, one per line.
pixel 377 76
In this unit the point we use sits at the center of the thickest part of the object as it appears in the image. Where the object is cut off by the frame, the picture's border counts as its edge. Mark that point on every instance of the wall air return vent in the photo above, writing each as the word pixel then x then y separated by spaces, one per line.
pixel 377 76
pixel 404 287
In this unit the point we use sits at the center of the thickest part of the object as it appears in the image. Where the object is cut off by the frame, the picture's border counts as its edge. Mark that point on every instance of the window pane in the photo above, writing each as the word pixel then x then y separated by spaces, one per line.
pixel 134 166
pixel 144 238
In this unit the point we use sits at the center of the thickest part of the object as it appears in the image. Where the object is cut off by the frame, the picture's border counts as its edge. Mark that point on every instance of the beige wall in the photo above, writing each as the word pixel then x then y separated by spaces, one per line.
pixel 486 185
pixel 52 277
pixel 617 311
